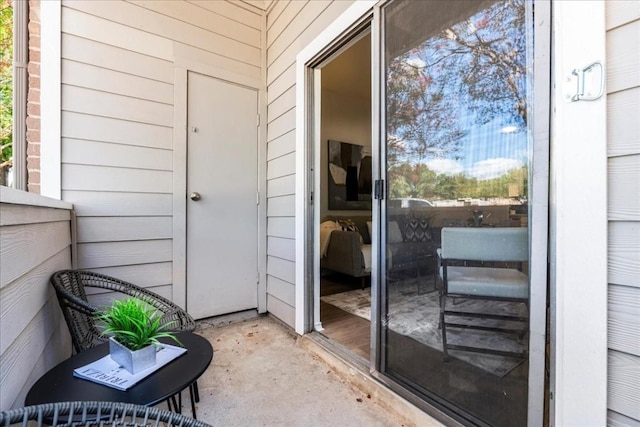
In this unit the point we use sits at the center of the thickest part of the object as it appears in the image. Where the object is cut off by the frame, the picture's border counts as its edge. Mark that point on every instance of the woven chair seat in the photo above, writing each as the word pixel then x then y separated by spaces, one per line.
pixel 94 414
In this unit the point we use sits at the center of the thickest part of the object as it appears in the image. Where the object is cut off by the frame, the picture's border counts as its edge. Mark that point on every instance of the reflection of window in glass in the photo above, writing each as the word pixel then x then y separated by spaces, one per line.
pixel 456 108
pixel 13 89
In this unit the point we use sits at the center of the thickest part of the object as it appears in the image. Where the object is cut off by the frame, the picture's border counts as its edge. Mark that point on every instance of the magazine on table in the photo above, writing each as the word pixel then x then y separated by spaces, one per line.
pixel 107 372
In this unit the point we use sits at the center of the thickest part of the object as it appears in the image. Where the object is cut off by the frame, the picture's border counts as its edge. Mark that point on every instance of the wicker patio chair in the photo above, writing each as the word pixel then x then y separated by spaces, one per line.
pixel 94 414
pixel 71 289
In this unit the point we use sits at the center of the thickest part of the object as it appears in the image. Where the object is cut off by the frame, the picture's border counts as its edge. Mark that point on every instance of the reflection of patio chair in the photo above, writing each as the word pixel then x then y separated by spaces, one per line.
pixel 95 414
pixel 71 288
pixel 485 248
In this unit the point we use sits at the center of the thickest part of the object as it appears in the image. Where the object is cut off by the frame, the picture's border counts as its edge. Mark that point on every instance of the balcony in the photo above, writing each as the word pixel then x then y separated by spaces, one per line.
pixel 261 373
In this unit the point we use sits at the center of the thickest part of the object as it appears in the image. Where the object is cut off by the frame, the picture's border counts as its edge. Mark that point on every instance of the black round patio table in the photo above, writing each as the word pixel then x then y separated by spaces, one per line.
pixel 59 384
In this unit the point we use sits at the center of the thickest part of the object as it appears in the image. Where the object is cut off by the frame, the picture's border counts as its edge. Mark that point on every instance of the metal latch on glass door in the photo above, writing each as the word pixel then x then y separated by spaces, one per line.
pixel 584 84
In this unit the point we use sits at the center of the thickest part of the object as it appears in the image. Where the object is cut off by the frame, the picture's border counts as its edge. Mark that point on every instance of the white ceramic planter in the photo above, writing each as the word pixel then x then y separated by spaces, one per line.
pixel 132 361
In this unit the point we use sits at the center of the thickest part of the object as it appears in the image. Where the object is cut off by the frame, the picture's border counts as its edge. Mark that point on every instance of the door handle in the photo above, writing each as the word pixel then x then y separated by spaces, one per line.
pixel 195 196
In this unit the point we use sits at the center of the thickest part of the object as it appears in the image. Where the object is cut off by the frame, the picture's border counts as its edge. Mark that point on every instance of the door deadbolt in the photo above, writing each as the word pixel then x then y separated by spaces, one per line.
pixel 195 196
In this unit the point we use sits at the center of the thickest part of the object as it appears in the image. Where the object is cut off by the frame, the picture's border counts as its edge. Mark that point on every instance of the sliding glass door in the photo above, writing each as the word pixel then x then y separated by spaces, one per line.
pixel 455 298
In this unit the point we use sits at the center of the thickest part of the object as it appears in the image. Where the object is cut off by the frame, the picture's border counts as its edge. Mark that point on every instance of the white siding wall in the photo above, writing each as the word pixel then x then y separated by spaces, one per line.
pixel 623 59
pixel 35 237
pixel 291 25
pixel 118 118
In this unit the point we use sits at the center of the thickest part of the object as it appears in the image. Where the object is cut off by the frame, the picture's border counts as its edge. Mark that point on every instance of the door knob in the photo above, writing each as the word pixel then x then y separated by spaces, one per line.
pixel 195 196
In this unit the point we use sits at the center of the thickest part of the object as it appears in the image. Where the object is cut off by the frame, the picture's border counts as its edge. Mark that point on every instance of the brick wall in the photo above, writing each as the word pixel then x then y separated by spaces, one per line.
pixel 33 100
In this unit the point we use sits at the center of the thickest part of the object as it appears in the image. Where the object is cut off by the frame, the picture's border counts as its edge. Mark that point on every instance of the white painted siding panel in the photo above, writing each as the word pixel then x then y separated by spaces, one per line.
pixel 112 33
pixel 187 56
pixel 147 275
pixel 283 52
pixel 24 352
pixel 74 177
pixel 282 145
pixel 105 129
pixel 624 188
pixel 282 248
pixel 615 419
pixel 283 291
pixel 283 124
pixel 623 134
pixel 624 319
pixel 280 268
pixel 280 166
pixel 25 246
pixel 104 104
pixel 624 253
pixel 281 310
pixel 290 27
pixel 619 12
pixel 281 17
pixel 282 83
pixel 113 254
pixel 166 27
pixel 281 206
pixel 282 104
pixel 91 203
pixel 118 117
pixel 25 297
pixel 114 58
pixel 624 384
pixel 114 229
pixel 85 152
pixel 623 57
pixel 251 19
pixel 102 79
pixel 35 242
pixel 281 227
pixel 193 14
pixel 283 186
pixel 20 214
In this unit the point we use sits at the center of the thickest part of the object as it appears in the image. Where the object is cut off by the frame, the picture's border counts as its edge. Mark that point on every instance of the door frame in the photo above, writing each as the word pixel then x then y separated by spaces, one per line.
pixel 307 271
pixel 307 237
pixel 184 63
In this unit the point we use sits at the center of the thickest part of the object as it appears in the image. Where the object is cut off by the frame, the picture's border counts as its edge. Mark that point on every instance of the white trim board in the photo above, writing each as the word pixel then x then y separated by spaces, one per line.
pixel 344 22
pixel 50 99
pixel 578 236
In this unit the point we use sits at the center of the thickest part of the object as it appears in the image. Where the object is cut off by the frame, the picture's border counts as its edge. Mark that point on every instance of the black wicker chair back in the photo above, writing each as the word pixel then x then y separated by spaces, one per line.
pixel 71 289
pixel 94 414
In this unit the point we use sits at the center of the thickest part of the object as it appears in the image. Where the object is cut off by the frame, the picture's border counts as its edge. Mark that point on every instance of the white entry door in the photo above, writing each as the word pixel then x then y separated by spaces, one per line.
pixel 222 211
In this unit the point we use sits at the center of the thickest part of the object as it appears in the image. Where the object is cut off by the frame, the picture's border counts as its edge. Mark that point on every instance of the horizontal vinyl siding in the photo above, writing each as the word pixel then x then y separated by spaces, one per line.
pixel 623 102
pixel 35 242
pixel 118 119
pixel 291 25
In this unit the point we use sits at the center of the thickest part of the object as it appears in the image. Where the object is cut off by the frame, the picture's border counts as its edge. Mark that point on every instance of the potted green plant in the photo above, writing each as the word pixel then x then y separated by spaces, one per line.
pixel 134 328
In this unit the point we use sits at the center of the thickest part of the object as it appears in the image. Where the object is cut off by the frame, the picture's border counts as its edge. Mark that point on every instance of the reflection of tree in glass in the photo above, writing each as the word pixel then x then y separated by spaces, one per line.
pixel 6 85
pixel 468 74
pixel 406 180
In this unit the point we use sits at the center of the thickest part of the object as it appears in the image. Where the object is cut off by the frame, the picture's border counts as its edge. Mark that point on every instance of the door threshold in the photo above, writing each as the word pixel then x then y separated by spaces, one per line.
pixel 355 370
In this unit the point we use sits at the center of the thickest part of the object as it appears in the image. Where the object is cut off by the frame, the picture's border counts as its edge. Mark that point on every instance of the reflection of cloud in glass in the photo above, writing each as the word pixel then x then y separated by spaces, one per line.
pixel 445 166
pixel 414 61
pixel 493 168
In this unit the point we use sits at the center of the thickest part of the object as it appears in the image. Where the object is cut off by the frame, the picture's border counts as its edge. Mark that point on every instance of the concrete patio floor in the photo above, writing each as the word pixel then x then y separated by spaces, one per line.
pixel 264 374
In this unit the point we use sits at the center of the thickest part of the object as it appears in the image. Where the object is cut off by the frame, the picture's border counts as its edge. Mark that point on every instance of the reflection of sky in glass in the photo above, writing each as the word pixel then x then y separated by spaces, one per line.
pixel 488 151
pixel 488 126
